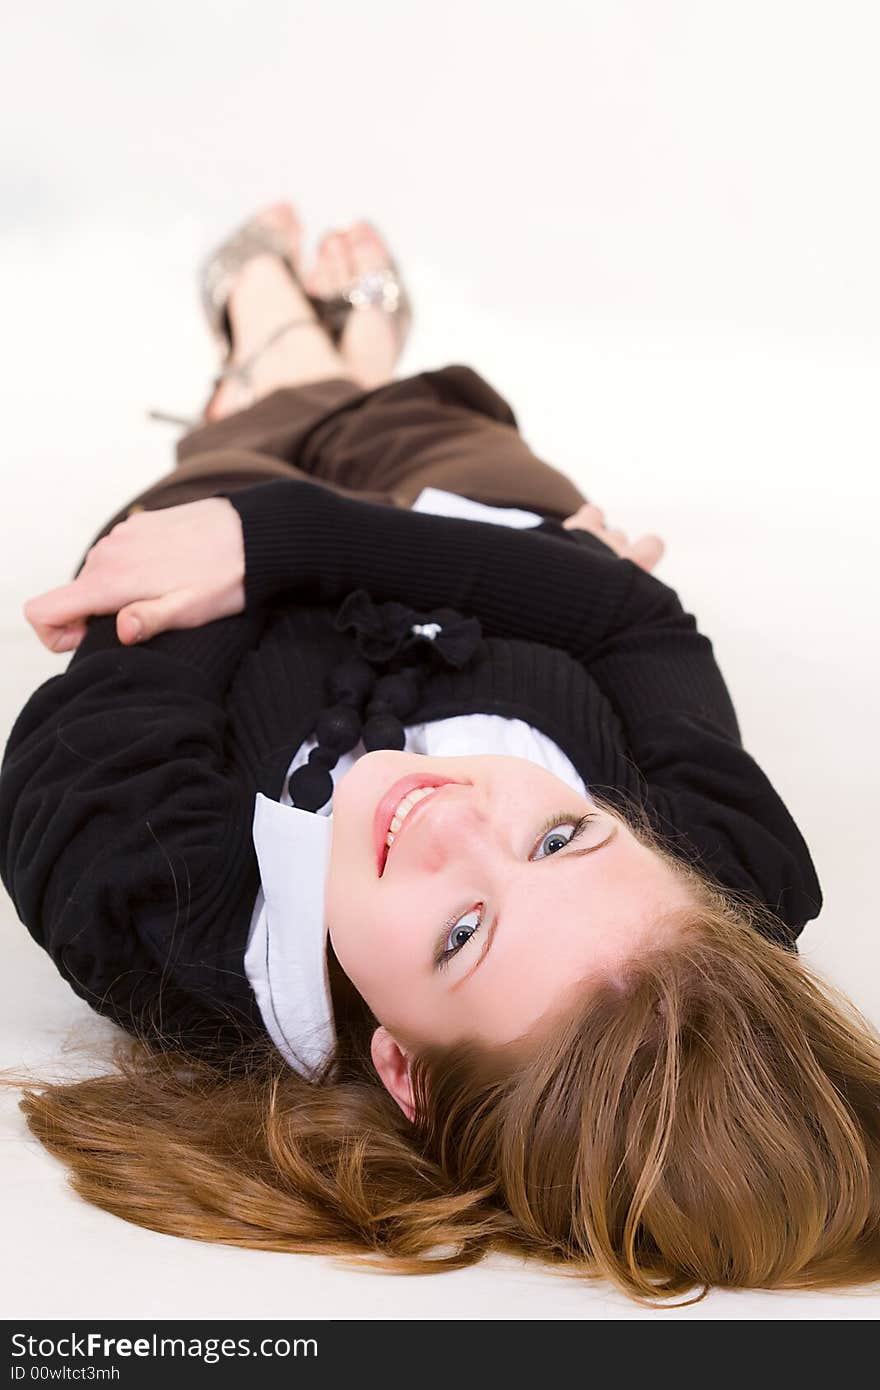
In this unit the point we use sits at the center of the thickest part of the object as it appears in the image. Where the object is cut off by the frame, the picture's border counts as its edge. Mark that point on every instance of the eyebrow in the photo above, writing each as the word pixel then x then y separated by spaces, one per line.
pixel 490 936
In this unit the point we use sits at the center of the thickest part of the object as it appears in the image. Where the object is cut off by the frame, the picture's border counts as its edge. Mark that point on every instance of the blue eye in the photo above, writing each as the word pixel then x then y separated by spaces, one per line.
pixel 552 834
pixel 458 933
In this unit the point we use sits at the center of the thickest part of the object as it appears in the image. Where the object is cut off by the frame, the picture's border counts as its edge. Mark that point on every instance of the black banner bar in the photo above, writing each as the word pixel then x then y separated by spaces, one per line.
pixel 141 1354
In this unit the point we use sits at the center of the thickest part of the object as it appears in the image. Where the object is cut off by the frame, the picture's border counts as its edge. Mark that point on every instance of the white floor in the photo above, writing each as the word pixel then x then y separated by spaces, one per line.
pixel 654 230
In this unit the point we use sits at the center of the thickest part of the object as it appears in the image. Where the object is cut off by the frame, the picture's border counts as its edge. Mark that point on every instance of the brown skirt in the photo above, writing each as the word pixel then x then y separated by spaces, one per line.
pixel 447 429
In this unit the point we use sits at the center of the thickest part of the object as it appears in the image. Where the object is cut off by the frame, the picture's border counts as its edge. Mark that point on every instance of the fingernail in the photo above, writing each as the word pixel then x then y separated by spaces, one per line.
pixel 136 630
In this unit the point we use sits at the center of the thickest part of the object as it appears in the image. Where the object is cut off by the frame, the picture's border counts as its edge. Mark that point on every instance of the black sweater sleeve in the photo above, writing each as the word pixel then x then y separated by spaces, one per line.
pixel 301 536
pixel 607 612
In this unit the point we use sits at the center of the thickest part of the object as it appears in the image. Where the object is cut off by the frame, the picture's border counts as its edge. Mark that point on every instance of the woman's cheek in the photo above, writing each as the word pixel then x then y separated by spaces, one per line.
pixel 384 956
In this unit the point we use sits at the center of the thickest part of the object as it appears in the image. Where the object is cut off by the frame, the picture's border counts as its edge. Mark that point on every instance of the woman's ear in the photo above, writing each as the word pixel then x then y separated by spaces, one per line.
pixel 392 1063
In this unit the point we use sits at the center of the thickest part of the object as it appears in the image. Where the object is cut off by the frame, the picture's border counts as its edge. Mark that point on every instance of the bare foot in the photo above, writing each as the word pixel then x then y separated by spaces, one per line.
pixel 370 344
pixel 263 300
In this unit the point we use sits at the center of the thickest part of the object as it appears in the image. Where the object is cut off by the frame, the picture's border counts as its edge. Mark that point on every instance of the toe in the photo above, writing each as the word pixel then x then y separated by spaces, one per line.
pixel 329 273
pixel 342 255
pixel 315 279
pixel 322 279
pixel 283 219
pixel 280 215
pixel 366 249
pixel 338 260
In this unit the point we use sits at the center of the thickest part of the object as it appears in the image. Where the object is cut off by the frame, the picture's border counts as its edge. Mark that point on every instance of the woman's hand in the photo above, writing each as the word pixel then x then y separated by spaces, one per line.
pixel 174 568
pixel 646 551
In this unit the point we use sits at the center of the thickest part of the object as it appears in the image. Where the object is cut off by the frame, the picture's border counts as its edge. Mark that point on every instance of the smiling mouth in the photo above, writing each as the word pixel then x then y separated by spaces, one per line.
pixel 427 793
pixel 390 804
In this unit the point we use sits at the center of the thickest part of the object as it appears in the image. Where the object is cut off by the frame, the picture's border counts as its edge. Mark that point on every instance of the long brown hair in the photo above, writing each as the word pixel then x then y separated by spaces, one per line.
pixel 709 1117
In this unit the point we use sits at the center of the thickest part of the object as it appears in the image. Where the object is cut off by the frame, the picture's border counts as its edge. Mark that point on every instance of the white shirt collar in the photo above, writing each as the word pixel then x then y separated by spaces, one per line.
pixel 286 957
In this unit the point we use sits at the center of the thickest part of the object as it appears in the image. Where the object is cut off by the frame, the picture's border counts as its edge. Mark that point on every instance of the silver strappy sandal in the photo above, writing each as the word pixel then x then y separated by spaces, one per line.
pixel 383 288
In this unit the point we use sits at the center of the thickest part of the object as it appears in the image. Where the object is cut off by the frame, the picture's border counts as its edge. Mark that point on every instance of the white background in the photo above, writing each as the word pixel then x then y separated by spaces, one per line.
pixel 652 226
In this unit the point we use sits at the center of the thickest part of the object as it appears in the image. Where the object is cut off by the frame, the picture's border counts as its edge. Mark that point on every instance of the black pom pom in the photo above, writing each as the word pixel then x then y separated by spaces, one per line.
pixel 400 690
pixel 338 728
pixel 383 731
pixel 310 787
pixel 323 757
pixel 352 680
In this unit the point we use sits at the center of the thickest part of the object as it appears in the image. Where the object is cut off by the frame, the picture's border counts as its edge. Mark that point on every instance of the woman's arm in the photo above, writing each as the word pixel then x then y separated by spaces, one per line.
pixel 626 625
pixel 316 544
pixel 303 537
pixel 181 566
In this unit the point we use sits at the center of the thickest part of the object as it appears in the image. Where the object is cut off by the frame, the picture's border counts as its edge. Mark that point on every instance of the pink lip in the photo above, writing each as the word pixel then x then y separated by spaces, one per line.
pixel 389 803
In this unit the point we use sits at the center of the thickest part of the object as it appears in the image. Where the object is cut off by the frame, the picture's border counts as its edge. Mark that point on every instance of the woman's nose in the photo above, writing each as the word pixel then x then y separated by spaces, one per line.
pixel 450 825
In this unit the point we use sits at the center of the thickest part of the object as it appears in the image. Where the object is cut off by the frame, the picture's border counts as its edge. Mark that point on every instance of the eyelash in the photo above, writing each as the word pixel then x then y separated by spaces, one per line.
pixel 580 824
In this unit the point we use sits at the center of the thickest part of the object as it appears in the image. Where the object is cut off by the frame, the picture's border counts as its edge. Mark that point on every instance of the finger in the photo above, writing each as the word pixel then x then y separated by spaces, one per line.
pixel 60 639
pixel 140 621
pixel 647 551
pixel 68 638
pixel 58 607
pixel 47 634
pixel 616 539
pixel 586 518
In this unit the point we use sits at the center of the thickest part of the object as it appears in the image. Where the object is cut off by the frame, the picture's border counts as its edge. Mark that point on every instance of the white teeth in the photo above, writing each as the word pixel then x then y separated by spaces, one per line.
pixel 404 807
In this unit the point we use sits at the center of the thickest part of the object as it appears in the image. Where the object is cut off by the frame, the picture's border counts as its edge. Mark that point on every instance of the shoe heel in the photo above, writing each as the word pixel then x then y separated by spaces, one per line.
pixel 167 419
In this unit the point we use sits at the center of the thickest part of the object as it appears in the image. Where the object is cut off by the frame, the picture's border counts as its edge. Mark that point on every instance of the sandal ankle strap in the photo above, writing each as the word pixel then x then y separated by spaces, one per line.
pixel 241 371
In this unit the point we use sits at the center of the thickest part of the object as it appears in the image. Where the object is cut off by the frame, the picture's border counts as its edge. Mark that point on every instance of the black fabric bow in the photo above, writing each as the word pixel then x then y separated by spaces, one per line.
pixel 385 630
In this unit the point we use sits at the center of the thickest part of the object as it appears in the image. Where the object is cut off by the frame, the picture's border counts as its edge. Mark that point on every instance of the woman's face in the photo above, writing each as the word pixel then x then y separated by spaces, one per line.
pixel 486 916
